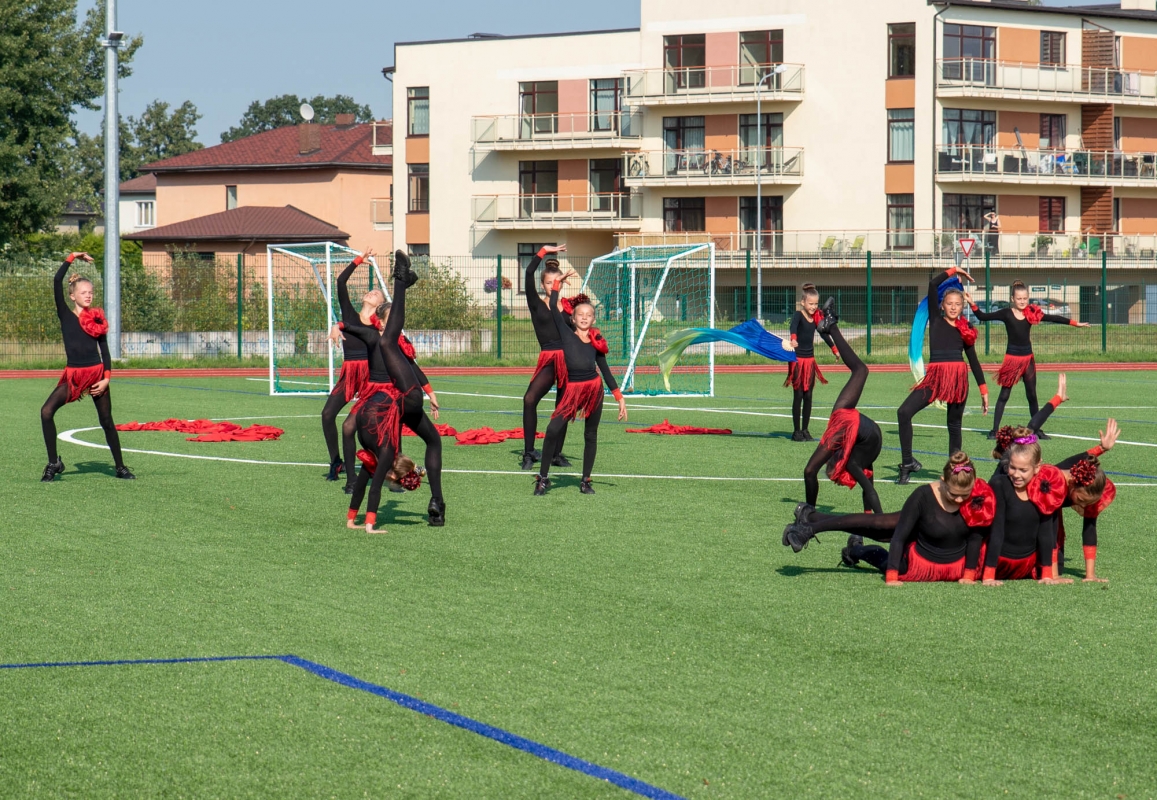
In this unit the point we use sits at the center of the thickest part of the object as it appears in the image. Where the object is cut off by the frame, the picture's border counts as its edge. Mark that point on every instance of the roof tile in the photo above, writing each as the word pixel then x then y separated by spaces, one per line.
pixel 260 223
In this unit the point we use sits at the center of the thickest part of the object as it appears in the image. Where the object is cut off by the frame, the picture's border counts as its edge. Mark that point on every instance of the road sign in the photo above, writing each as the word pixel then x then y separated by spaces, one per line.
pixel 966 246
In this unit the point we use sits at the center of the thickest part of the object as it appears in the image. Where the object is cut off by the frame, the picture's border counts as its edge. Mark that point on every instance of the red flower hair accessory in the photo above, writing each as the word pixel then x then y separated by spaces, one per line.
pixel 599 342
pixel 406 346
pixel 93 321
pixel 967 332
pixel 1048 490
pixel 1004 438
pixel 980 509
pixel 568 304
pixel 1084 472
pixel 411 480
pixel 1034 314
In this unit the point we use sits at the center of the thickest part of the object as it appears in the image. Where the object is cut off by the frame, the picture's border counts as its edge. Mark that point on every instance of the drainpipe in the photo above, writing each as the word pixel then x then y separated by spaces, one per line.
pixel 935 42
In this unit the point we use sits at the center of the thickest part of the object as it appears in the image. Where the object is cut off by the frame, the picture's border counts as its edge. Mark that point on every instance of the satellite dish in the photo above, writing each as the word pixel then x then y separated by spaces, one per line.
pixel 306 112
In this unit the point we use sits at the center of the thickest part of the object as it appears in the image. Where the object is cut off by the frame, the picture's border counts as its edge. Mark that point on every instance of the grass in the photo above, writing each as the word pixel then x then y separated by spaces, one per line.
pixel 658 628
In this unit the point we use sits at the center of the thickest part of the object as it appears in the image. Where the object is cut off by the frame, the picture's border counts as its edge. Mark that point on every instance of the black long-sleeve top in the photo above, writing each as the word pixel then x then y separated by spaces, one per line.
pixel 370 339
pixel 80 349
pixel 1019 330
pixel 1089 524
pixel 545 327
pixel 941 537
pixel 803 333
pixel 1019 529
pixel 583 361
pixel 353 348
pixel 944 339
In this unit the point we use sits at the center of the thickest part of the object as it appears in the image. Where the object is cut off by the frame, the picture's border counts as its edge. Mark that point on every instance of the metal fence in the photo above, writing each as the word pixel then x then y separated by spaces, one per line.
pixel 185 307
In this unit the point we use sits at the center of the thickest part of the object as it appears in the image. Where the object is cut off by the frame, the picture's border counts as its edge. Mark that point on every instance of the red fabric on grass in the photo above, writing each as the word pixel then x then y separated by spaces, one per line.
pixel 488 435
pixel 443 430
pixel 208 430
pixel 666 427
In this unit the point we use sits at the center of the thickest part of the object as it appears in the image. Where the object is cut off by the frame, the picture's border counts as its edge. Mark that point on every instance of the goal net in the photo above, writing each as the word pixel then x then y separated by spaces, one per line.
pixel 643 294
pixel 303 305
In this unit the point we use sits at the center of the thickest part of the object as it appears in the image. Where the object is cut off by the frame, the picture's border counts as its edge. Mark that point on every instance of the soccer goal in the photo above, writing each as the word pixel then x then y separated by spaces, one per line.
pixel 643 294
pixel 302 298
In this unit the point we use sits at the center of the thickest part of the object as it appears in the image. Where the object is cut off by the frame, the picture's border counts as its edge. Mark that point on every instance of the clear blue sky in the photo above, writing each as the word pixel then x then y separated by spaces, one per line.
pixel 224 54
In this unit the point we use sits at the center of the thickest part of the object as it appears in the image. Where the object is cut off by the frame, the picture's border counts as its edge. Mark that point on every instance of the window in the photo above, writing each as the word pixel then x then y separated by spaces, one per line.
pixel 418 250
pixel 527 251
pixel 902 50
pixel 683 133
pixel 684 214
pixel 418 111
pixel 538 105
pixel 684 58
pixel 901 135
pixel 1052 131
pixel 769 221
pixel 538 185
pixel 1052 215
pixel 1116 133
pixel 965 212
pixel 752 128
pixel 230 197
pixel 146 214
pixel 606 104
pixel 757 51
pixel 966 126
pixel 419 187
pixel 901 222
pixel 606 176
pixel 1117 214
pixel 968 53
pixel 1052 48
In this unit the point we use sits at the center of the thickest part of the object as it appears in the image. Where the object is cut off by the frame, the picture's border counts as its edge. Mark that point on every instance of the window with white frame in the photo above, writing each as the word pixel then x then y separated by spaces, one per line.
pixel 146 214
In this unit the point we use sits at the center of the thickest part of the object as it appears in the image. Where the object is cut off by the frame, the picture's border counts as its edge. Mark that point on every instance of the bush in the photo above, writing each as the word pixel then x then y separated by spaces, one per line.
pixel 440 301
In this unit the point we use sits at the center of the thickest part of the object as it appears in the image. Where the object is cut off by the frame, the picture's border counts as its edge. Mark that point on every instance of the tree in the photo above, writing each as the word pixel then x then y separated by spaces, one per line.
pixel 49 67
pixel 279 112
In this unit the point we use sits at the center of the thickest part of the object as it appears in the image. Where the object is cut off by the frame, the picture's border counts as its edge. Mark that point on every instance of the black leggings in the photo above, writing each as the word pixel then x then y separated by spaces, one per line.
pixel 917 401
pixel 539 385
pixel 848 398
pixel 877 527
pixel 333 406
pixel 367 435
pixel 57 400
pixel 1029 379
pixel 801 408
pixel 554 435
pixel 414 418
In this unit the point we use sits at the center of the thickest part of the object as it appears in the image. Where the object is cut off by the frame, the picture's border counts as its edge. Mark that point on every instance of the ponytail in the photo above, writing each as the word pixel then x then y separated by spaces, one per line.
pixel 959 473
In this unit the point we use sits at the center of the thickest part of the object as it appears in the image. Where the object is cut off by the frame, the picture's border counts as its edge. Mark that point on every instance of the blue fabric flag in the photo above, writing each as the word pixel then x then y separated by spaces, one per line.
pixel 749 335
pixel 920 324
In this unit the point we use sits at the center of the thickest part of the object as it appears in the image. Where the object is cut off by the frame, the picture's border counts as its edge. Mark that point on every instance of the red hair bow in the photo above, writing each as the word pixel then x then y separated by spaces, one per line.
pixel 599 342
pixel 568 303
pixel 1107 498
pixel 406 346
pixel 967 332
pixel 980 509
pixel 1048 490
pixel 93 321
pixel 1034 314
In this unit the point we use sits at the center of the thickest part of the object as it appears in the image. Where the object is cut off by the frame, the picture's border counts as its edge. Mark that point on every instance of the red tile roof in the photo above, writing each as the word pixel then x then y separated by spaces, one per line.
pixel 260 223
pixel 144 184
pixel 344 146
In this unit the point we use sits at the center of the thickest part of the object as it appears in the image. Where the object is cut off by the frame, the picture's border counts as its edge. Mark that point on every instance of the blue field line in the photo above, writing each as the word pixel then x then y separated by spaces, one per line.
pixel 499 735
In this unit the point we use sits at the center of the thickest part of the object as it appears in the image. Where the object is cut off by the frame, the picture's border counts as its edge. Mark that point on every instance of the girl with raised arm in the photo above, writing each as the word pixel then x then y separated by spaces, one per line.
pixel 551 367
pixel 1089 492
pixel 803 372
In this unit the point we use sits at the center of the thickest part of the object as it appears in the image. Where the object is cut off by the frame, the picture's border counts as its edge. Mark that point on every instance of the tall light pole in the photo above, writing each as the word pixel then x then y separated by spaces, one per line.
pixel 778 69
pixel 112 170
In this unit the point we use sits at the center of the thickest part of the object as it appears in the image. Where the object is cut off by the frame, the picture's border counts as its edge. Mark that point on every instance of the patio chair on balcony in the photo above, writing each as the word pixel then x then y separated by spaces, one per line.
pixel 828 248
pixel 857 245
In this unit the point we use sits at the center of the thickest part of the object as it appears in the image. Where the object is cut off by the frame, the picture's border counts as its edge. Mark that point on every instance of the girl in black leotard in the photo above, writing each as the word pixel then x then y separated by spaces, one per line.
pixel 852 441
pixel 89 367
pixel 414 417
pixel 951 339
pixel 354 373
pixel 551 368
pixel 1006 435
pixel 1018 363
pixel 803 372
pixel 1089 493
pixel 585 351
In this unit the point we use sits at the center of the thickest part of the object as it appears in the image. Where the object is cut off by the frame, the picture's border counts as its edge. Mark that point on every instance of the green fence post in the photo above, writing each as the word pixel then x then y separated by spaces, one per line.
pixel 240 295
pixel 987 295
pixel 498 307
pixel 869 330
pixel 747 283
pixel 1104 301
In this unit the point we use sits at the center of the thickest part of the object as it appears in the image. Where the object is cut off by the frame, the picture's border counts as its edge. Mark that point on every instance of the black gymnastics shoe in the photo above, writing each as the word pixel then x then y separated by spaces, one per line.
pixel 803 512
pixel 797 436
pixel 585 486
pixel 124 474
pixel 797 535
pixel 336 468
pixel 348 488
pixel 402 269
pixel 436 512
pixel 830 316
pixel 906 471
pixel 991 436
pixel 560 461
pixel 528 460
pixel 51 471
pixel 807 436
pixel 1044 437
pixel 541 484
pixel 847 555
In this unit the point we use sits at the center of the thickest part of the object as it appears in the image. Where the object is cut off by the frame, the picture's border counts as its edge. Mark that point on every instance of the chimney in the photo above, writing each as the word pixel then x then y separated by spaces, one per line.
pixel 347 120
pixel 308 138
pixel 1139 5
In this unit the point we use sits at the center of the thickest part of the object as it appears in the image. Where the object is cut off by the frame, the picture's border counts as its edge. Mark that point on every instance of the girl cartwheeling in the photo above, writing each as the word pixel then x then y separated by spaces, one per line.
pixel 1019 363
pixel 551 368
pixel 852 441
pixel 1089 492
pixel 951 339
pixel 803 372
pixel 585 351
pixel 415 418
pixel 88 370
pixel 354 373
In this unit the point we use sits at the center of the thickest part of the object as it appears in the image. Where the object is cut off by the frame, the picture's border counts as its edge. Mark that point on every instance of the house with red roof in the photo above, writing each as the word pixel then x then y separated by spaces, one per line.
pixel 303 183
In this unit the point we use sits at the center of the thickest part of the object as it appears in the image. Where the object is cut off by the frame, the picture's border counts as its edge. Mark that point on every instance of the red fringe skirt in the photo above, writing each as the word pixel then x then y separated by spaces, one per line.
pixel 80 380
pixel 384 416
pixel 580 399
pixel 802 374
pixel 1011 569
pixel 840 438
pixel 946 380
pixel 354 375
pixel 921 570
pixel 1012 369
pixel 555 357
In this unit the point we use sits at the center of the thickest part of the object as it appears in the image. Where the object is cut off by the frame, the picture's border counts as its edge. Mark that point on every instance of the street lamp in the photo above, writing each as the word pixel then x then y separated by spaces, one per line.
pixel 778 69
pixel 112 170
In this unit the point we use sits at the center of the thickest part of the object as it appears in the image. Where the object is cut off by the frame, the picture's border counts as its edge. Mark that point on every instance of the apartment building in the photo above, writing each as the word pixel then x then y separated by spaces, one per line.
pixel 827 127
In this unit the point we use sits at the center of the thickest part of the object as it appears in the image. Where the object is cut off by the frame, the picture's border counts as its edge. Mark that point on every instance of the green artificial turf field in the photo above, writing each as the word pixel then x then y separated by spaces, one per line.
pixel 658 628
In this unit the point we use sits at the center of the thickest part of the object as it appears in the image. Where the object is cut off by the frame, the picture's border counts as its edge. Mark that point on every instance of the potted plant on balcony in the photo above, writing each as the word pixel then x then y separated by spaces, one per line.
pixel 1041 243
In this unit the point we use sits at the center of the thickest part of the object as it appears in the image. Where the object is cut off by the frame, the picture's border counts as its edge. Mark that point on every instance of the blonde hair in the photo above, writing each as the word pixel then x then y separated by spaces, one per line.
pixel 74 279
pixel 806 291
pixel 1017 286
pixel 959 473
pixel 1032 450
pixel 403 465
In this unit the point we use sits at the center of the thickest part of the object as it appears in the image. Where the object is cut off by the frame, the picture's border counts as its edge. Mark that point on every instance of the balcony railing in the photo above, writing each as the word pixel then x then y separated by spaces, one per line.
pixel 558 131
pixel 979 77
pixel 382 211
pixel 708 84
pixel 714 167
pixel 1020 165
pixel 615 211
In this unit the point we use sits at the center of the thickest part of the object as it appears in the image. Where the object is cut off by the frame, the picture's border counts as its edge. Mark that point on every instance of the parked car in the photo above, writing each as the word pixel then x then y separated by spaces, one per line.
pixel 1052 306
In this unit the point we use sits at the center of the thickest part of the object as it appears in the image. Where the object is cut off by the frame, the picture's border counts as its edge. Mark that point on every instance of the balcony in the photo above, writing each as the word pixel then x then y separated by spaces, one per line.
pixel 977 77
pixel 589 131
pixel 601 212
pixel 746 167
pixel 382 140
pixel 382 213
pixel 1045 167
pixel 687 85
